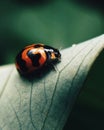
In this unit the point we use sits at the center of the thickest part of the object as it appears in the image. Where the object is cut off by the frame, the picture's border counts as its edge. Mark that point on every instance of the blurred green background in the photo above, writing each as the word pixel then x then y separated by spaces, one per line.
pixel 59 23
pixel 88 110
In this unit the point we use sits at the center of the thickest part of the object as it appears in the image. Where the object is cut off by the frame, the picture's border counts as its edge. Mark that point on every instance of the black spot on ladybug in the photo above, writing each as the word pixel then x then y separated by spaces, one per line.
pixel 21 62
pixel 48 55
pixel 34 58
pixel 38 45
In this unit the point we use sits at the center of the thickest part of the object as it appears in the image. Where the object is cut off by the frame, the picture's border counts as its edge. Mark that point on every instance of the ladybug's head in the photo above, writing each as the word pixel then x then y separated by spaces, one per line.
pixel 57 54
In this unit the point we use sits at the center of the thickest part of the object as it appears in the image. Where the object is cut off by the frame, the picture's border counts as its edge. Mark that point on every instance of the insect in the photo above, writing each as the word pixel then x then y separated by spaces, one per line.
pixel 34 57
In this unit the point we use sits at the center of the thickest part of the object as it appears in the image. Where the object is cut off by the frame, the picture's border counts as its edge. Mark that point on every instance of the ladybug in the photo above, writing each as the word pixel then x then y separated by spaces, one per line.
pixel 34 57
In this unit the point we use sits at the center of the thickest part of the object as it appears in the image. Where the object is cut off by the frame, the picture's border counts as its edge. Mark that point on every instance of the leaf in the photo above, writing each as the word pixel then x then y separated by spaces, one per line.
pixel 45 103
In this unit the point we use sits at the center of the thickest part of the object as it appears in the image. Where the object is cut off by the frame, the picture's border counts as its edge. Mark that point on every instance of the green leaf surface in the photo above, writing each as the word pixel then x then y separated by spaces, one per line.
pixel 46 102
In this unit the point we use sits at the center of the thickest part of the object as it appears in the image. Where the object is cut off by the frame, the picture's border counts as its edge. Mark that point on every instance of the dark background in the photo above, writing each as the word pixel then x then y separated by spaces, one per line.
pixel 58 23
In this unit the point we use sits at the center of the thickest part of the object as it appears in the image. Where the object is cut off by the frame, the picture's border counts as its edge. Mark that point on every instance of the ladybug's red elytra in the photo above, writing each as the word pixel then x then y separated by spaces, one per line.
pixel 34 57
